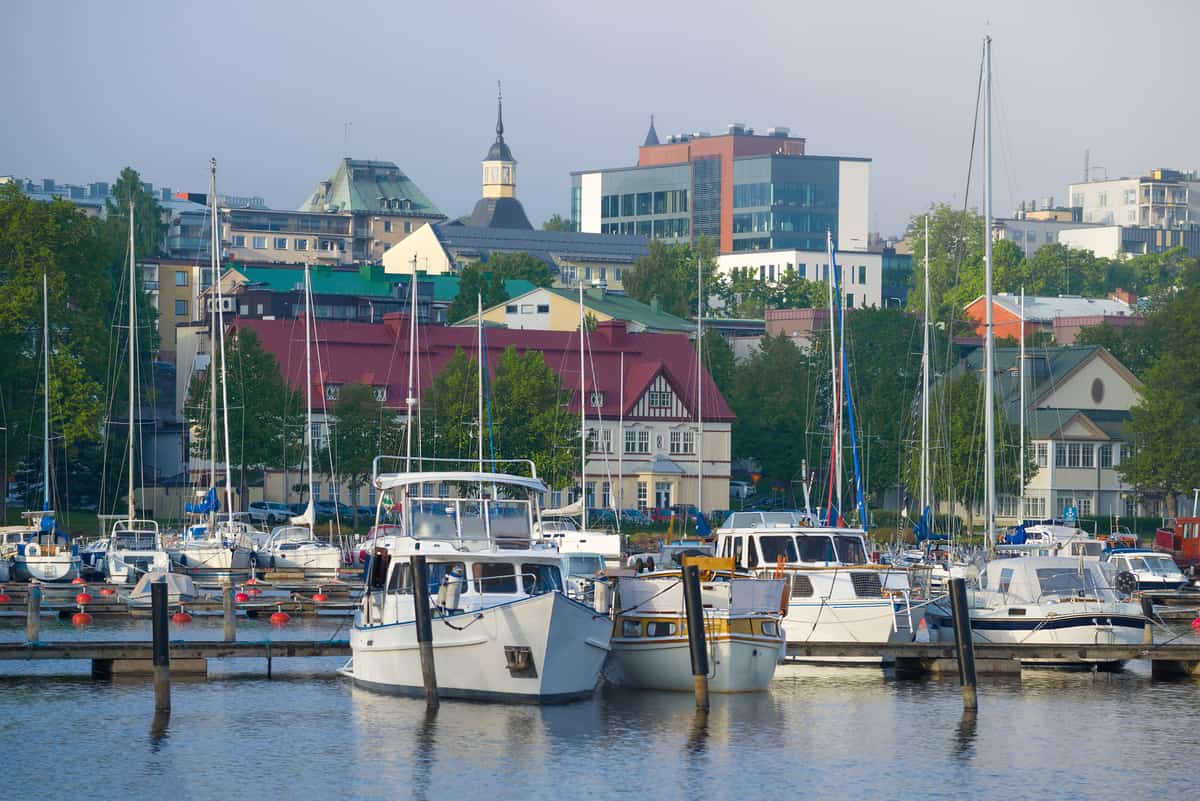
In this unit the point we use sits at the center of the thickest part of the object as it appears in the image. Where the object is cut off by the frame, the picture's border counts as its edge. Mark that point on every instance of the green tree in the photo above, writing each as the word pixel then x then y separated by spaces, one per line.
pixel 520 266
pixel 558 223
pixel 668 274
pixel 955 253
pixel 527 417
pixel 449 410
pixel 718 360
pixel 473 283
pixel 149 228
pixel 361 428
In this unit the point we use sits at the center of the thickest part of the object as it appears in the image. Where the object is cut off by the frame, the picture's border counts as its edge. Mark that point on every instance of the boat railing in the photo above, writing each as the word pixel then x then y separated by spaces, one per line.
pixel 523 468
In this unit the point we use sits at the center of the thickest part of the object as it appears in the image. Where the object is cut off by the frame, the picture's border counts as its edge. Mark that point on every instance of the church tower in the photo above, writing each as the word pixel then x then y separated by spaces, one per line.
pixel 499 207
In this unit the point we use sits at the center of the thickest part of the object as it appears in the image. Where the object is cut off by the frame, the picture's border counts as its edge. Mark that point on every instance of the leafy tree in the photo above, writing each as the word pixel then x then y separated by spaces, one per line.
pixel 558 223
pixel 361 428
pixel 449 410
pixel 149 228
pixel 668 273
pixel 527 417
pixel 473 282
pixel 718 359
pixel 520 266
pixel 955 255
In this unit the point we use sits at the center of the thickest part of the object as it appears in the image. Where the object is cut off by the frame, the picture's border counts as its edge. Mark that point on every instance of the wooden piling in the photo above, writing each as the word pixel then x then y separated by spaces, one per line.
pixel 1148 613
pixel 694 610
pixel 162 657
pixel 963 644
pixel 33 614
pixel 424 621
pixel 230 613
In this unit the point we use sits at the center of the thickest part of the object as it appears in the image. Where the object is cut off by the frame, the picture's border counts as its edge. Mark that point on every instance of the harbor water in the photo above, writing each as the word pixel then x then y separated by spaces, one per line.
pixel 820 732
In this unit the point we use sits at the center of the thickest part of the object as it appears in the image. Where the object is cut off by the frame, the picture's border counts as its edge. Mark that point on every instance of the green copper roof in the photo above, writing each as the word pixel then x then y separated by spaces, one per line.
pixel 623 307
pixel 376 187
pixel 368 281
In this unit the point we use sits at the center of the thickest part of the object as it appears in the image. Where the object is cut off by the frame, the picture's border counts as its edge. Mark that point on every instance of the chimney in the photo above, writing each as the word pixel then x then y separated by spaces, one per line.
pixel 612 331
pixel 654 304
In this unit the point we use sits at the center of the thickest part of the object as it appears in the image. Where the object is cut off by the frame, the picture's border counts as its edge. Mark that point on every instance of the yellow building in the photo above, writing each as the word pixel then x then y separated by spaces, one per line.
pixel 557 309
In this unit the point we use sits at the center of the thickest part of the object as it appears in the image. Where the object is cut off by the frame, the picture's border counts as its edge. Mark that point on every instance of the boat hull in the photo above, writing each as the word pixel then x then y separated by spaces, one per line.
pixel 215 561
pixel 126 567
pixel 736 664
pixel 852 620
pixel 566 644
pixel 46 569
pixel 1081 627
pixel 320 562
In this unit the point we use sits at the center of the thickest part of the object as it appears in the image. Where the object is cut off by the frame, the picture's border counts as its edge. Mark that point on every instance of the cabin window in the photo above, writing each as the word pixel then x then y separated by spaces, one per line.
pixel 1066 581
pixel 538 579
pixel 495 577
pixel 801 586
pixel 770 628
pixel 401 580
pixel 631 628
pixel 726 547
pixel 439 570
pixel 660 628
pixel 850 550
pixel 777 545
pixel 866 585
pixel 752 553
pixel 1005 580
pixel 812 549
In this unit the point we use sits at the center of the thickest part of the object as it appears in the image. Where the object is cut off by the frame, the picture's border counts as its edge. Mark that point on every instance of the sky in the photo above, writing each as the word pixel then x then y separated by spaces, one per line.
pixel 269 87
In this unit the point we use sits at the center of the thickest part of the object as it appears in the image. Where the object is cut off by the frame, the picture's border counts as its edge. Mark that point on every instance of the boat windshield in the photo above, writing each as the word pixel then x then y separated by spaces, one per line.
pixel 850 549
pixel 1154 564
pixel 774 546
pixel 584 565
pixel 1067 581
pixel 816 548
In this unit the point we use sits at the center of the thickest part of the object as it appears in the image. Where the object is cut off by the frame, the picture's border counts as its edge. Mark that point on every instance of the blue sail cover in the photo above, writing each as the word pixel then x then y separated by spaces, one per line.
pixel 1016 536
pixel 207 505
pixel 923 530
pixel 702 526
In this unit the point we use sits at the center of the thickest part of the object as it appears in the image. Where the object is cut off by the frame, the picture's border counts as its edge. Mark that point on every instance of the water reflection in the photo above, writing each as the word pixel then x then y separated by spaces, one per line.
pixel 967 727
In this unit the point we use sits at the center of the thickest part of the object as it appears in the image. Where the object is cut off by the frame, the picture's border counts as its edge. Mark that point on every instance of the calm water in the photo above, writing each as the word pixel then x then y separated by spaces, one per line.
pixel 822 733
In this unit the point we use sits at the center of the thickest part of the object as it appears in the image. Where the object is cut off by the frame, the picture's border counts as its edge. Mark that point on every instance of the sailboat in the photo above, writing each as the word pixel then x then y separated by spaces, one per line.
pixel 504 628
pixel 296 546
pixel 135 546
pixel 216 545
pixel 1029 599
pixel 42 552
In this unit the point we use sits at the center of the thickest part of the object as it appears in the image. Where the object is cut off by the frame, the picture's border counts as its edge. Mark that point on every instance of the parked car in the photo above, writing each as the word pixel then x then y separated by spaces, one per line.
pixel 327 510
pixel 740 489
pixel 269 512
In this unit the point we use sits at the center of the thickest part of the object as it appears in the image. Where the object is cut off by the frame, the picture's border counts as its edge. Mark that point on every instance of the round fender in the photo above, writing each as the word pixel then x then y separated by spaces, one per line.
pixel 1125 583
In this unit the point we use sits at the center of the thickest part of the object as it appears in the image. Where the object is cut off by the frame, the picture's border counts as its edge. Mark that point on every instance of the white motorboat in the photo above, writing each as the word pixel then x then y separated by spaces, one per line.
pixel 180 589
pixel 1153 570
pixel 296 548
pixel 91 557
pixel 134 549
pixel 44 554
pixel 225 550
pixel 557 528
pixel 504 628
pixel 742 626
pixel 835 593
pixel 1046 601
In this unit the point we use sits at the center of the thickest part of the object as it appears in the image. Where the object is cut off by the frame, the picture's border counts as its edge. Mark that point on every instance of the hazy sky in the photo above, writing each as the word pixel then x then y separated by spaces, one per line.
pixel 267 87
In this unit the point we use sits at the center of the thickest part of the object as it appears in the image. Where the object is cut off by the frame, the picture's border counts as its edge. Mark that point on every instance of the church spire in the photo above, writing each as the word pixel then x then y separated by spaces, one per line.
pixel 651 135
pixel 499 113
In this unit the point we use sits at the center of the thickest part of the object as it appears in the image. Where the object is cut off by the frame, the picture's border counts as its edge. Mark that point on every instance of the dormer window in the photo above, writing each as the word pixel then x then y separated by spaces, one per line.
pixel 332 391
pixel 381 394
pixel 596 400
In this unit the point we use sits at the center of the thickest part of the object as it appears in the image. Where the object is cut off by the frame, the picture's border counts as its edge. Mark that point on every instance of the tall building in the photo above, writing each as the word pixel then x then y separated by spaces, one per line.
pixel 1162 199
pixel 744 190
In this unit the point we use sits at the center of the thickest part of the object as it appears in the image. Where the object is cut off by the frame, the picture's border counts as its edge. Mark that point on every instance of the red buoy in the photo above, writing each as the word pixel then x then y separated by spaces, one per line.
pixel 279 618
pixel 181 616
pixel 78 580
pixel 252 580
pixel 83 598
pixel 81 618
pixel 254 591
pixel 241 597
pixel 108 591
pixel 4 596
pixel 320 595
pixel 1196 624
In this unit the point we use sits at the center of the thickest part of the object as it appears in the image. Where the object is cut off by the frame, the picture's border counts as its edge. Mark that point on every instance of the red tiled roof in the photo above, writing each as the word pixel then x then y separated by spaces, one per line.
pixel 351 352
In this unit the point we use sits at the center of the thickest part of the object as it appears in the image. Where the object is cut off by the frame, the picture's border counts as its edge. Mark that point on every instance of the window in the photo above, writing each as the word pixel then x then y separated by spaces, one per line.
pixel 1087 455
pixel 1073 454
pixel 802 269
pixel 643 204
pixel 281 243
pixel 862 273
pixel 1077 200
pixel 510 308
pixel 627 206
pixel 660 628
pixel 301 244
pixel 637 441
pixel 1006 505
pixel 332 391
pixel 1126 451
pixel 641 495
pixel 181 308
pixel 259 243
pixel 596 400
pixel 631 628
pixel 244 309
pixel 316 496
pixel 1041 449
pixel 683 442
pixel 605 494
pixel 849 300
pixel 1060 455
pixel 1085 507
pixel 543 308
pixel 493 577
pixel 260 310
pixel 660 400
pixel 776 546
pixel 600 440
pixel 1102 199
pixel 407 227
pixel 1005 580
pixel 381 394
pixel 1035 508
pixel 238 240
pixel 181 278
pixel 387 226
pixel 527 308
pixel 537 579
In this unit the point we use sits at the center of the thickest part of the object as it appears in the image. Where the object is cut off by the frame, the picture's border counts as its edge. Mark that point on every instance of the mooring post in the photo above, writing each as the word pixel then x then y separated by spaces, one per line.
pixel 1148 613
pixel 162 657
pixel 694 609
pixel 230 614
pixel 962 642
pixel 424 629
pixel 33 614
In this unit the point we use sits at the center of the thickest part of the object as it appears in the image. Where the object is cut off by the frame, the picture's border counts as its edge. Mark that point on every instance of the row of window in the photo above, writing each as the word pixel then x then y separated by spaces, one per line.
pixel 668 228
pixel 334 391
pixel 857 274
pixel 802 195
pixel 1078 454
pixel 570 274
pixel 527 308
pixel 672 201
pixel 387 227
pixel 637 441
pixel 281 243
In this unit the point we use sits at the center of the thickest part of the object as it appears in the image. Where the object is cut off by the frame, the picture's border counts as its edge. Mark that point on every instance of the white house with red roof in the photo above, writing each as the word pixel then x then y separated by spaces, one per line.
pixel 642 390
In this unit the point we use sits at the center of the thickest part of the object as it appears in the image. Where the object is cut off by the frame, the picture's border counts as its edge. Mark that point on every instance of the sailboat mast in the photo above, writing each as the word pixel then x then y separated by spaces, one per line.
pixel 925 384
pixel 699 386
pixel 989 335
pixel 214 266
pixel 582 408
pixel 479 350
pixel 46 394
pixel 132 353
pixel 224 387
pixel 308 434
pixel 411 401
pixel 1021 378
pixel 835 476
pixel 620 496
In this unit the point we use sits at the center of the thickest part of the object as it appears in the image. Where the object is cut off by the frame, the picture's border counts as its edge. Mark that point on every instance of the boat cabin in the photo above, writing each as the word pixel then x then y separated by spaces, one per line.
pixel 1042 580
pixel 1181 540
pixel 755 547
pixel 135 535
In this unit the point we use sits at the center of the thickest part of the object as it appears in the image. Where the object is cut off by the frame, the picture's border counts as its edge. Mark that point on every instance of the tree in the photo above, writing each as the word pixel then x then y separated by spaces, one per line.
pixel 955 255
pixel 718 360
pixel 520 266
pixel 527 417
pixel 667 274
pixel 149 228
pixel 266 416
pixel 361 428
pixel 449 410
pixel 558 223
pixel 487 279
